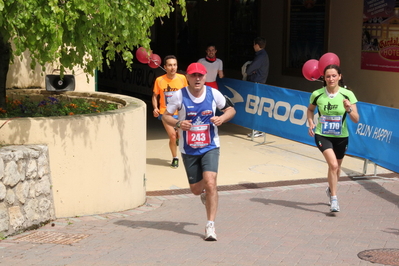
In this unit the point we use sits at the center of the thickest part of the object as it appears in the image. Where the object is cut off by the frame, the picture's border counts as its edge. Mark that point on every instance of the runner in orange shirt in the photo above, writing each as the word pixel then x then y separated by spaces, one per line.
pixel 164 88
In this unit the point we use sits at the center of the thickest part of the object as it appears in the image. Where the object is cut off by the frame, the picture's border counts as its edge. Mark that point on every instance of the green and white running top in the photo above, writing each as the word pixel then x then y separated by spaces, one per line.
pixel 331 110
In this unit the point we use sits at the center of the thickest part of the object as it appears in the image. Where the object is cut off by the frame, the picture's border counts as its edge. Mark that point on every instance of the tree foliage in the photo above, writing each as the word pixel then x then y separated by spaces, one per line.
pixel 77 32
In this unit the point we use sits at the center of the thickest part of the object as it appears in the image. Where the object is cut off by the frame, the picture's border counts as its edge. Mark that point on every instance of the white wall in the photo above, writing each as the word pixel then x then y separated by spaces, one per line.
pixel 20 75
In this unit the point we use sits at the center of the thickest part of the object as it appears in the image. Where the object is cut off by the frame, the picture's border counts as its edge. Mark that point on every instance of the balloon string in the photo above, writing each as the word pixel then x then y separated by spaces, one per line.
pixel 162 68
pixel 158 65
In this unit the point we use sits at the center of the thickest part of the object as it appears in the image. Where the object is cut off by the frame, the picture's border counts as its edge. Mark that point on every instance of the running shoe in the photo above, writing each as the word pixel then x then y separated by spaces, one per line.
pixel 203 197
pixel 210 234
pixel 175 163
pixel 328 192
pixel 334 206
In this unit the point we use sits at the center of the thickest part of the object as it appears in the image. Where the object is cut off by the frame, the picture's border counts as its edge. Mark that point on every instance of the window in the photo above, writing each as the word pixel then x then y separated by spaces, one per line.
pixel 306 33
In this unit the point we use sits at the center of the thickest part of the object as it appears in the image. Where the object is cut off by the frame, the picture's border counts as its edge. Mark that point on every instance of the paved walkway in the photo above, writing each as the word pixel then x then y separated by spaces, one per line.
pixel 273 211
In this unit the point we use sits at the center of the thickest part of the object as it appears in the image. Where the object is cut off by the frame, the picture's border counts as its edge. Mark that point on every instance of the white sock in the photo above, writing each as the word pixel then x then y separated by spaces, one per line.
pixel 334 198
pixel 210 223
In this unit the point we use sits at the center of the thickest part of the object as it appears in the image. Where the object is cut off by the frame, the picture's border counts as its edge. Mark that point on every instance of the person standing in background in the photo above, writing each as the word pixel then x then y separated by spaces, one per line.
pixel 213 65
pixel 258 70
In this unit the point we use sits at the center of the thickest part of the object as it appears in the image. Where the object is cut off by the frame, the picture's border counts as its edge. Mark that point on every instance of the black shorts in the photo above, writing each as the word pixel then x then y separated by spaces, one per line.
pixel 195 165
pixel 339 145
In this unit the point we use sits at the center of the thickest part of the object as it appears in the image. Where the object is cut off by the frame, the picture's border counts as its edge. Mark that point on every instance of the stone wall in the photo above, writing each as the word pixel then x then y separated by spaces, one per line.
pixel 26 199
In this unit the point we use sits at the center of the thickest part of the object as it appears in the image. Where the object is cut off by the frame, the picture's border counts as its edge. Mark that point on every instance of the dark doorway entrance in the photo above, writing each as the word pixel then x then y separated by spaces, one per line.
pixel 231 25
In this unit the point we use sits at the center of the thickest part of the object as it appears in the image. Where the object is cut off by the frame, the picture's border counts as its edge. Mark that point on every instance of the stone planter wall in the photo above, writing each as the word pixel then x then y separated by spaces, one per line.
pixel 97 161
pixel 26 199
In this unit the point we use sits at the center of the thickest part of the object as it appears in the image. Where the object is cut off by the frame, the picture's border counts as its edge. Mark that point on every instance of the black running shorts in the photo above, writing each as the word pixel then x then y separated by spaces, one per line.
pixel 195 165
pixel 339 145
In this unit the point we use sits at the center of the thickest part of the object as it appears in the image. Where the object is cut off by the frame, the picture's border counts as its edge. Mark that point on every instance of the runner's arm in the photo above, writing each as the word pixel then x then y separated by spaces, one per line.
pixel 170 120
pixel 310 117
pixel 351 110
pixel 154 101
pixel 227 109
pixel 220 73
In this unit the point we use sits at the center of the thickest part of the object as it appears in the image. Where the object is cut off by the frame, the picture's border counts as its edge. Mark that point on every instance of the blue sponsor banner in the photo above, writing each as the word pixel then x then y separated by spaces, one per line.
pixel 375 137
pixel 282 112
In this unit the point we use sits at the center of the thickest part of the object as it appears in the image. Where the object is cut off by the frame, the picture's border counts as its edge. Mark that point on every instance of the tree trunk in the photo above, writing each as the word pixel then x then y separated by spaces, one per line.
pixel 5 53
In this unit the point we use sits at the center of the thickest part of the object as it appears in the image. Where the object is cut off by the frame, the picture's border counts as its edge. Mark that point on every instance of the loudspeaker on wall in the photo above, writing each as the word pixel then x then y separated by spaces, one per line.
pixel 55 83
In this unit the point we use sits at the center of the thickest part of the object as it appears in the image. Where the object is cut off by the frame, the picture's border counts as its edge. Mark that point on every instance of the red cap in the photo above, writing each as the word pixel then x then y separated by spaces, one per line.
pixel 196 68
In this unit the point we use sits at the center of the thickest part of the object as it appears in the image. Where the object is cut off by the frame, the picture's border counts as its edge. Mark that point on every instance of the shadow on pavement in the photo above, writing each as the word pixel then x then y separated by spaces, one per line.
pixel 159 225
pixel 291 204
pixel 394 231
pixel 380 191
pixel 157 161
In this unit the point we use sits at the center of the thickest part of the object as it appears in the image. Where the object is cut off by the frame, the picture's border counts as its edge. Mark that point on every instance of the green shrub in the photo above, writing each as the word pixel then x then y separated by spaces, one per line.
pixel 54 106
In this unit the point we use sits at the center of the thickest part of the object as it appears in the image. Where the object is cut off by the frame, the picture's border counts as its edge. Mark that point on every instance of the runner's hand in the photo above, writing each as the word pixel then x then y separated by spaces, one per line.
pixel 185 125
pixel 347 104
pixel 310 130
pixel 155 112
pixel 216 120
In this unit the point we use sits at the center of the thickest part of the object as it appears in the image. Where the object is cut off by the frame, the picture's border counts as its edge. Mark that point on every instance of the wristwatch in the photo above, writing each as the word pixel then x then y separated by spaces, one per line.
pixel 350 110
pixel 178 124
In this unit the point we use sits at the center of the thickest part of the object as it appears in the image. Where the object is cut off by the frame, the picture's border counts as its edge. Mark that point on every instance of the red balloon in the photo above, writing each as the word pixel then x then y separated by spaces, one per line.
pixel 326 60
pixel 155 61
pixel 142 55
pixel 310 70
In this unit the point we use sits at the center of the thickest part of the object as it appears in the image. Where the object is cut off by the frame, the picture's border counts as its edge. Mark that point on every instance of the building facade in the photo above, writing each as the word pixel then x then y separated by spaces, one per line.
pixel 295 30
